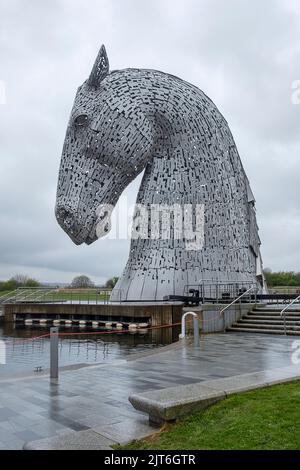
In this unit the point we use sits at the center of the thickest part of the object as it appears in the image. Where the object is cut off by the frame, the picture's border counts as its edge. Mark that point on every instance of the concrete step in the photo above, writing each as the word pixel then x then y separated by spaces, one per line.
pixel 265 326
pixel 263 320
pixel 276 310
pixel 272 317
pixel 261 330
pixel 276 321
pixel 274 314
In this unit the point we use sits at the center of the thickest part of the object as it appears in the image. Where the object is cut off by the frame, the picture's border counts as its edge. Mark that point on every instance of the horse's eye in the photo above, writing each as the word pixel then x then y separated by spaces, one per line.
pixel 81 120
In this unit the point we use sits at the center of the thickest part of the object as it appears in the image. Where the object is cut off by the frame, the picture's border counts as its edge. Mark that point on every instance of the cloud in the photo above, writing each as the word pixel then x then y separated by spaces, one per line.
pixel 244 55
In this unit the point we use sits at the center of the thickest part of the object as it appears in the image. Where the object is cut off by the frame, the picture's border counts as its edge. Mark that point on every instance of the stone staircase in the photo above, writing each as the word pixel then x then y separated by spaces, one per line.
pixel 268 321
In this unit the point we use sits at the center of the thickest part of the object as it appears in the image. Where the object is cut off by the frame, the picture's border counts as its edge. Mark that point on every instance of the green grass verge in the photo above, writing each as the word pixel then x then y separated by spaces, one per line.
pixel 263 419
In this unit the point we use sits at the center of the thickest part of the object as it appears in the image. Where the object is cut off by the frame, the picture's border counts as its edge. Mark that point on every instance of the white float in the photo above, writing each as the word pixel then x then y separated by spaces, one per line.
pixel 142 331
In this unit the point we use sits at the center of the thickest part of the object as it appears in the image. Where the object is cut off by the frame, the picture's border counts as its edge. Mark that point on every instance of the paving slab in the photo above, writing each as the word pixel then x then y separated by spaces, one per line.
pixel 81 440
pixel 127 431
pixel 97 396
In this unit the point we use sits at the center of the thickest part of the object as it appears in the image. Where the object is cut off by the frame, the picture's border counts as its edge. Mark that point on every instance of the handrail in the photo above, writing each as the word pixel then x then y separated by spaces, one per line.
pixel 8 295
pixel 31 293
pixel 285 309
pixel 196 327
pixel 23 293
pixel 44 294
pixel 235 300
pixel 19 293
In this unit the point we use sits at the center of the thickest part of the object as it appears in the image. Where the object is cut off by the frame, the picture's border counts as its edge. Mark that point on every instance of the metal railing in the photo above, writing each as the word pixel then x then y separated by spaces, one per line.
pixel 283 311
pixel 284 290
pixel 7 295
pixel 196 327
pixel 223 310
pixel 57 295
pixel 118 295
pixel 219 291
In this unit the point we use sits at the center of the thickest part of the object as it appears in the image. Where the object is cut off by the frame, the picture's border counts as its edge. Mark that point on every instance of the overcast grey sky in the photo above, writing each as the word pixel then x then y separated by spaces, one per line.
pixel 244 55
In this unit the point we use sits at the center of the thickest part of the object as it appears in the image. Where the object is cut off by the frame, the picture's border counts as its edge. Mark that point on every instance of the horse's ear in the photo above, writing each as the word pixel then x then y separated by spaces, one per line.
pixel 100 69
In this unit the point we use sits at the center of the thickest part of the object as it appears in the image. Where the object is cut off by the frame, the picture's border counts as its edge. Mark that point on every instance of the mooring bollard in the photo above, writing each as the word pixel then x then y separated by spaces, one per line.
pixel 54 353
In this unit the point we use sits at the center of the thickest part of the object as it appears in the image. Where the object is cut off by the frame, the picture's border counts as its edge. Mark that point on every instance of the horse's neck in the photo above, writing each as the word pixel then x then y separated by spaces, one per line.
pixel 167 178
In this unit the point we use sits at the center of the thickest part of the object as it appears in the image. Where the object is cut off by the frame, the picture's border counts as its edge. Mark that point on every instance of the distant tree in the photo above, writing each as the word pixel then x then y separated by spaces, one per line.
pixel 110 284
pixel 20 279
pixel 282 278
pixel 32 283
pixel 9 285
pixel 267 270
pixel 82 282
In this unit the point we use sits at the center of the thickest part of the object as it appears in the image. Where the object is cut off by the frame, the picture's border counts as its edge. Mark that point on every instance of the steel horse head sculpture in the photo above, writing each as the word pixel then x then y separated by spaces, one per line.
pixel 127 121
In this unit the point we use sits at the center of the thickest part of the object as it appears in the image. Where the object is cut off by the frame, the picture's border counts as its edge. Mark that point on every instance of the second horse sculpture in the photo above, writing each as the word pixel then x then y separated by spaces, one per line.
pixel 194 220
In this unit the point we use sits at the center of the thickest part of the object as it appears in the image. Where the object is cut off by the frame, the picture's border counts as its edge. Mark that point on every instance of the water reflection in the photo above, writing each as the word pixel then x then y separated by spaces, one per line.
pixel 23 355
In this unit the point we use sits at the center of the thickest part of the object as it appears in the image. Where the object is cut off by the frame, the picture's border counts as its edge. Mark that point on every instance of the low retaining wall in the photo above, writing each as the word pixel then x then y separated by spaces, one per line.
pixel 158 313
pixel 210 320
pixel 163 313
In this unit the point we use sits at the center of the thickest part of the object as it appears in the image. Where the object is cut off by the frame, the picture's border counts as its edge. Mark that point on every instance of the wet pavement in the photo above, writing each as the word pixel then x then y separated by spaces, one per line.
pixel 97 396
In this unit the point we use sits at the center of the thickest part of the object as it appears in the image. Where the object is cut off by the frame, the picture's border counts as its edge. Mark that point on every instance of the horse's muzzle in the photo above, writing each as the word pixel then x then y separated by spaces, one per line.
pixel 77 230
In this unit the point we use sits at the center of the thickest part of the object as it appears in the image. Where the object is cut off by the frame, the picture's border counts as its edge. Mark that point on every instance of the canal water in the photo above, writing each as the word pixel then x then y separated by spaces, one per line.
pixel 20 353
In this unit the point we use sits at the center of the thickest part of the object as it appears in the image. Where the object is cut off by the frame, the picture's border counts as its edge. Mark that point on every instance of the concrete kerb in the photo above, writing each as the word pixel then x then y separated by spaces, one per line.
pixel 173 403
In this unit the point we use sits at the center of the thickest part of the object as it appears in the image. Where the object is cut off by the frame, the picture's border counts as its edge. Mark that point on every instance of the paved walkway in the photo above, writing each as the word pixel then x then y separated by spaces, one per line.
pixel 97 397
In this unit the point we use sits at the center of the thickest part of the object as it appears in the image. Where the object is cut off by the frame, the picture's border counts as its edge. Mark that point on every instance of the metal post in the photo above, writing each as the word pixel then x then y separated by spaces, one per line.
pixel 284 321
pixel 196 331
pixel 54 353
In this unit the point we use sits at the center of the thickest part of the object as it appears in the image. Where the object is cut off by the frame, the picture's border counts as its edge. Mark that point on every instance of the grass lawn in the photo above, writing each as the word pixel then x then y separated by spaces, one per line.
pixel 64 296
pixel 76 296
pixel 268 418
pixel 4 292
